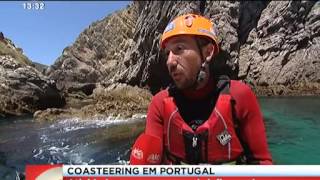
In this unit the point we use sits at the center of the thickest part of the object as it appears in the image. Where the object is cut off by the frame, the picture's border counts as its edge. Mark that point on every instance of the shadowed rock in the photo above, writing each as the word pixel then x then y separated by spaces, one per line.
pixel 23 89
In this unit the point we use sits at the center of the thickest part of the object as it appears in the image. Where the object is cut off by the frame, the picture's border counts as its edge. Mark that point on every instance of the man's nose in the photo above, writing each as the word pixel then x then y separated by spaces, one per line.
pixel 172 60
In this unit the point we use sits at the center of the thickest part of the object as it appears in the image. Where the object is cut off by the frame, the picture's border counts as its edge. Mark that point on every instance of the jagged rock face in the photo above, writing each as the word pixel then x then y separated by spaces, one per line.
pixel 281 55
pixel 23 89
pixel 272 45
pixel 97 51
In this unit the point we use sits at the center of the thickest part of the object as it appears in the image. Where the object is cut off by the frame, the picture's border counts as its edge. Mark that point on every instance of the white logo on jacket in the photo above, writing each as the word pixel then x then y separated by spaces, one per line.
pixel 224 137
pixel 153 158
pixel 137 153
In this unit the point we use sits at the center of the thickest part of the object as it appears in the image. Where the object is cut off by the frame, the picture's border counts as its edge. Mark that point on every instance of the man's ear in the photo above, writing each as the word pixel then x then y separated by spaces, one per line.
pixel 209 52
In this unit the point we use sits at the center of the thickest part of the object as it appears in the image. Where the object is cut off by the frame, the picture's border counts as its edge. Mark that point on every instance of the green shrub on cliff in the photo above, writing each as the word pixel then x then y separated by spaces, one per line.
pixel 5 49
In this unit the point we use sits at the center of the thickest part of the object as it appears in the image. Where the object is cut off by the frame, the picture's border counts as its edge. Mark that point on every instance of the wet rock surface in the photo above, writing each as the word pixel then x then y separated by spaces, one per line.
pixel 117 100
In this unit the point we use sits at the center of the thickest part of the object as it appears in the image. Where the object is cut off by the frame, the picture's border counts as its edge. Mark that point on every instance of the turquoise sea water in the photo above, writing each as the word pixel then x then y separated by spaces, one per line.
pixel 293 129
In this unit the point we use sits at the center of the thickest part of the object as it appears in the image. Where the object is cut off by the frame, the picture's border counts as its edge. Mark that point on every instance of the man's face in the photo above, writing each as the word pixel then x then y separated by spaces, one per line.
pixel 183 60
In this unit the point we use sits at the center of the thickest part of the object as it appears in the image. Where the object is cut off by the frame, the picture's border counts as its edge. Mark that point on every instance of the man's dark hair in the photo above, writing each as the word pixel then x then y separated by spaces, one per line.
pixel 203 41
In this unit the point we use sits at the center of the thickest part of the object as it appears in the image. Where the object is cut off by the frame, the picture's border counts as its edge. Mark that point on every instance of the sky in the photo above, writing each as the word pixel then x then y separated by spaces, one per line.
pixel 43 34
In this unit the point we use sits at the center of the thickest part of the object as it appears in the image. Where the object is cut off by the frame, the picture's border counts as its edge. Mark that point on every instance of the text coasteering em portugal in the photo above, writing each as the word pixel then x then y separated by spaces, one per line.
pixel 136 171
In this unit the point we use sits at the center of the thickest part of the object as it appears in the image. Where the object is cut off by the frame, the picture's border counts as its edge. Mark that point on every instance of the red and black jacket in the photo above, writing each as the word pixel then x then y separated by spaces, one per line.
pixel 219 123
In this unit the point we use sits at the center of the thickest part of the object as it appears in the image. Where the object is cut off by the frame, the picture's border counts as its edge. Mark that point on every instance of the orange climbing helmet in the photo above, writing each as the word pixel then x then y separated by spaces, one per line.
pixel 190 24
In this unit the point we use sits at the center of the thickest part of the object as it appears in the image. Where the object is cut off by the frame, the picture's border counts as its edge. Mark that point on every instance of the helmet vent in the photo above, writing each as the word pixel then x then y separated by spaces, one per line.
pixel 188 20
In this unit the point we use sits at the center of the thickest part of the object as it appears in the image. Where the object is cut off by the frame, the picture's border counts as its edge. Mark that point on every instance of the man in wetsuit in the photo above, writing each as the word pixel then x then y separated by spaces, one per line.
pixel 203 119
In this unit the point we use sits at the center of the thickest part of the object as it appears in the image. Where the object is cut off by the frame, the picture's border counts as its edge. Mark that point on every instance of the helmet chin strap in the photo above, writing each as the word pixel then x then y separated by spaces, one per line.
pixel 202 74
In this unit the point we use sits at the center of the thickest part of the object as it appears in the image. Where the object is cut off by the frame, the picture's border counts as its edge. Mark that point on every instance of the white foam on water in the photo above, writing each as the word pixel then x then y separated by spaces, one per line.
pixel 73 124
pixel 67 129
pixel 54 149
pixel 44 138
pixel 58 152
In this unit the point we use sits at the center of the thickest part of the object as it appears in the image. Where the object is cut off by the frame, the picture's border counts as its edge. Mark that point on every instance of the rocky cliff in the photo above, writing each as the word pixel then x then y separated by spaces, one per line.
pixel 23 89
pixel 84 69
pixel 96 53
pixel 281 54
pixel 273 46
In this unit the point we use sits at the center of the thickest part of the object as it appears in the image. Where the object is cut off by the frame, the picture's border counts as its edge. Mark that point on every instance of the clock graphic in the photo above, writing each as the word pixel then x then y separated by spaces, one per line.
pixel 33 5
